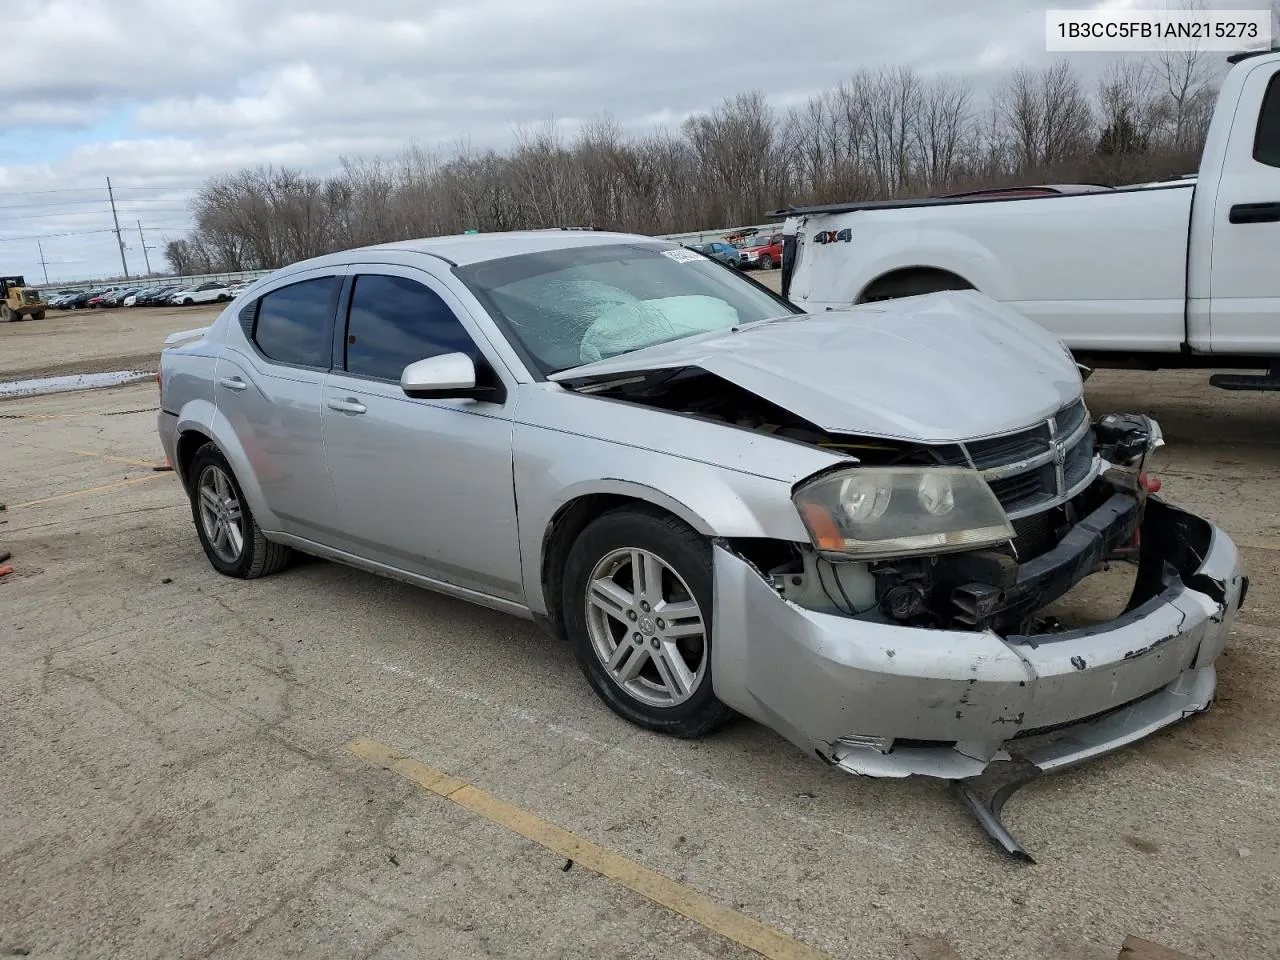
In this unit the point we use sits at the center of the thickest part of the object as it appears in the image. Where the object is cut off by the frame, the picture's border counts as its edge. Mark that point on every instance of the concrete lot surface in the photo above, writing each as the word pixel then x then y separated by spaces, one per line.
pixel 176 778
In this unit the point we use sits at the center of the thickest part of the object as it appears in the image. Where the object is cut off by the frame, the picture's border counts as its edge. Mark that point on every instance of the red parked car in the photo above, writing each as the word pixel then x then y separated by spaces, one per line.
pixel 764 250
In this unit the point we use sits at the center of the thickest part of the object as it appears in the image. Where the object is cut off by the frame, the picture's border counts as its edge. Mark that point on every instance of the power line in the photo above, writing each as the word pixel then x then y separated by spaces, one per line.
pixel 54 236
pixel 36 193
pixel 94 213
pixel 43 204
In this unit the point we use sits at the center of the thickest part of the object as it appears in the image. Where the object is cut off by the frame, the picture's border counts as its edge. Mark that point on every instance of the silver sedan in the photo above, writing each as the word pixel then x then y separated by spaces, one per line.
pixel 846 526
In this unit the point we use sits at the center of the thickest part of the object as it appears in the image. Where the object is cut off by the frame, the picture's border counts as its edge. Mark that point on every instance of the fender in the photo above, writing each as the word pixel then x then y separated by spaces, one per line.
pixel 890 247
pixel 938 249
pixel 203 417
pixel 554 469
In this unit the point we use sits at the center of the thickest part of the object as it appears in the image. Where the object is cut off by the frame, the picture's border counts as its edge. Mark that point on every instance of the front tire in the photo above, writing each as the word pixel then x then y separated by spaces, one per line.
pixel 38 315
pixel 230 535
pixel 766 262
pixel 637 610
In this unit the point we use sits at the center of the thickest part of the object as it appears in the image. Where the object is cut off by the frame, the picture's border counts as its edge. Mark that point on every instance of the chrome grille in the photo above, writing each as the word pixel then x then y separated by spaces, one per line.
pixel 1018 446
pixel 1040 466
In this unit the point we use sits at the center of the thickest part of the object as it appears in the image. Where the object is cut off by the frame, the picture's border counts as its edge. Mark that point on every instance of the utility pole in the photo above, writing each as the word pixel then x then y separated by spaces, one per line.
pixel 43 266
pixel 145 248
pixel 119 239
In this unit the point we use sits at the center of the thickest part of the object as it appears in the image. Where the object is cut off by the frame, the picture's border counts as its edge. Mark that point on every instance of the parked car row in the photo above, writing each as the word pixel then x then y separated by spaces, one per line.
pixel 213 291
pixel 761 251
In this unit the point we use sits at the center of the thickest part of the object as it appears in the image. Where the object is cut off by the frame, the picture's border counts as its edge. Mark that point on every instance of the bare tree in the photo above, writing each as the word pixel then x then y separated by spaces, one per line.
pixel 882 133
pixel 1186 78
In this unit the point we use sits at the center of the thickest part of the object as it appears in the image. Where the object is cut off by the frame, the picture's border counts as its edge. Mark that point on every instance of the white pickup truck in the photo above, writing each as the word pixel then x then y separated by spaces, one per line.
pixel 1184 273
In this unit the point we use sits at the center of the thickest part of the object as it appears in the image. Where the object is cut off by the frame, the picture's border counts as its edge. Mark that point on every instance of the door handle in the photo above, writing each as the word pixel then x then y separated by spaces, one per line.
pixel 349 405
pixel 232 383
pixel 1255 213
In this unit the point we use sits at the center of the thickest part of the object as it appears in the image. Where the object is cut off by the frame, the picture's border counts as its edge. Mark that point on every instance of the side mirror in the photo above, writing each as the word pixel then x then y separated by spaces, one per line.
pixel 450 376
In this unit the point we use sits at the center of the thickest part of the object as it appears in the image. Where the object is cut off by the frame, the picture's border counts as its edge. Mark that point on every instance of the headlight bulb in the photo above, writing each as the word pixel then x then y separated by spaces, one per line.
pixel 935 493
pixel 864 497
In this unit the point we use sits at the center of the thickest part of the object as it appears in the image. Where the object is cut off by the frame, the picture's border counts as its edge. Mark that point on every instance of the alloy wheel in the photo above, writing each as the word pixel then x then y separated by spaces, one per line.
pixel 646 627
pixel 220 514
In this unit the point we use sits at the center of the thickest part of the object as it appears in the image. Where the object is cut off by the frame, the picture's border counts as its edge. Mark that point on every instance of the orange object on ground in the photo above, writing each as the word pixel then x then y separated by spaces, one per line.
pixel 6 570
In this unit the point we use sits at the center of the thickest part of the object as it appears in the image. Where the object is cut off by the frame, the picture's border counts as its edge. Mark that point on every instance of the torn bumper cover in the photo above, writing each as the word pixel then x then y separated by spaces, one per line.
pixel 885 700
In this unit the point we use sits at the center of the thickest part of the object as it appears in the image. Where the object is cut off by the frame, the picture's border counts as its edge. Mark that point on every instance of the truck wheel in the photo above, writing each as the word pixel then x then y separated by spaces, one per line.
pixel 6 314
pixel 912 283
pixel 766 262
pixel 38 315
pixel 637 611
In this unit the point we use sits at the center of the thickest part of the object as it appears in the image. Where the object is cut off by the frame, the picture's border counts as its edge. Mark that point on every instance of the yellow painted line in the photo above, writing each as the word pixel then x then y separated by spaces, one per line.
pixel 107 456
pixel 741 929
pixel 80 493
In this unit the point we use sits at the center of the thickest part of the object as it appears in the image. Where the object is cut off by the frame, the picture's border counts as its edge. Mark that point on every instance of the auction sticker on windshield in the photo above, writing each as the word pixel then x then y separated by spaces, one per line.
pixel 681 255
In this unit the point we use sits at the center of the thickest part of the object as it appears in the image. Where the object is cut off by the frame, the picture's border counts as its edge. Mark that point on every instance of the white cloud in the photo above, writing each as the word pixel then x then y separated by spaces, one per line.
pixel 189 88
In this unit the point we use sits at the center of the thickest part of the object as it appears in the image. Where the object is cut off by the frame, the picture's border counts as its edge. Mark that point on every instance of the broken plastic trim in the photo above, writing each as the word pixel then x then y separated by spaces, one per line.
pixel 999 782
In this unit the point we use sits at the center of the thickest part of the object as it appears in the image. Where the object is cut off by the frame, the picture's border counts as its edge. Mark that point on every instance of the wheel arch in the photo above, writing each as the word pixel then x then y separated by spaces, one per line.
pixel 576 514
pixel 901 281
pixel 201 424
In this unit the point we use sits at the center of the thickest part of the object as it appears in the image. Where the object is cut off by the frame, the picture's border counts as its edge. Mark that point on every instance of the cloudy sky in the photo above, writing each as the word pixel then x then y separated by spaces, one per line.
pixel 160 94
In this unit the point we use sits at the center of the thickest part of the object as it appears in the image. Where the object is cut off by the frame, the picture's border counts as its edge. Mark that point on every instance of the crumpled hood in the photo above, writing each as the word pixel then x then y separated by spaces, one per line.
pixel 948 366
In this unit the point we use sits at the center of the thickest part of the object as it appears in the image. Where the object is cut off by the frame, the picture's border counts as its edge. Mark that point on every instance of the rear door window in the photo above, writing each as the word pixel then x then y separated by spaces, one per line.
pixel 294 324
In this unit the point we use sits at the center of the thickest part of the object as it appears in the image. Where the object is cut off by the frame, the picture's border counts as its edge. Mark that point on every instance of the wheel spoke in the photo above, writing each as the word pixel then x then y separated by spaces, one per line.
pixel 209 498
pixel 646 569
pixel 235 538
pixel 691 628
pixel 612 599
pixel 620 652
pixel 220 484
pixel 633 666
pixel 675 673
pixel 219 535
pixel 233 511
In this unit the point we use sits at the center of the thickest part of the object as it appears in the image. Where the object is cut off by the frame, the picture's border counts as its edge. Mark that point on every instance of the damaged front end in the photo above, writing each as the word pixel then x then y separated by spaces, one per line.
pixel 952 663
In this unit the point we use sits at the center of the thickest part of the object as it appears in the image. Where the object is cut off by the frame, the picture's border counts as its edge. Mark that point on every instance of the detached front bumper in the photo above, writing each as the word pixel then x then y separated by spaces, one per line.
pixel 885 700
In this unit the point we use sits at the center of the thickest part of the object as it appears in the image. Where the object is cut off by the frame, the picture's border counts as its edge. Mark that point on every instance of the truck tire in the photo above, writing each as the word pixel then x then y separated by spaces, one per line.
pixel 912 283
pixel 38 315
pixel 6 314
pixel 766 262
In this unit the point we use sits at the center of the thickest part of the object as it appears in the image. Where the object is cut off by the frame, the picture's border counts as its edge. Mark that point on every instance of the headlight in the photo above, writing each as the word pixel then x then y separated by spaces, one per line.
pixel 878 512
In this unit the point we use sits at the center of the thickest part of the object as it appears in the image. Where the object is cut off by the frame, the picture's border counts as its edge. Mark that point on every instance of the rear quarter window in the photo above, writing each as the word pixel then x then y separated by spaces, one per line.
pixel 1266 141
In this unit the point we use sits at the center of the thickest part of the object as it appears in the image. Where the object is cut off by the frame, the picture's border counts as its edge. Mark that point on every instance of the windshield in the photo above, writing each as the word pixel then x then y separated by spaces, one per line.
pixel 578 305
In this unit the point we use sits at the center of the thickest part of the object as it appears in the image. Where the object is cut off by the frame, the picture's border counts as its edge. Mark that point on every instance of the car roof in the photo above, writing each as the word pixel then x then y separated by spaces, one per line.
pixel 466 249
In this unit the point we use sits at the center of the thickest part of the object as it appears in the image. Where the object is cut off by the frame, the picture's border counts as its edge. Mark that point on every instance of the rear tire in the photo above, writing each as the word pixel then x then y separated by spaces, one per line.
pixel 912 283
pixel 766 262
pixel 650 669
pixel 6 314
pixel 230 535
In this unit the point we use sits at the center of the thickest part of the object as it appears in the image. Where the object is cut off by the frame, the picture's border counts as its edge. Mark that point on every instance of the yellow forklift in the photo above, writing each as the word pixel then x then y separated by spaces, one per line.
pixel 17 302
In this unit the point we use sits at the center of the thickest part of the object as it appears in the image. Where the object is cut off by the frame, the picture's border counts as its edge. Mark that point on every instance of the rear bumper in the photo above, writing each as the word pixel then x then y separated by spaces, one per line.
pixel 167 427
pixel 885 700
